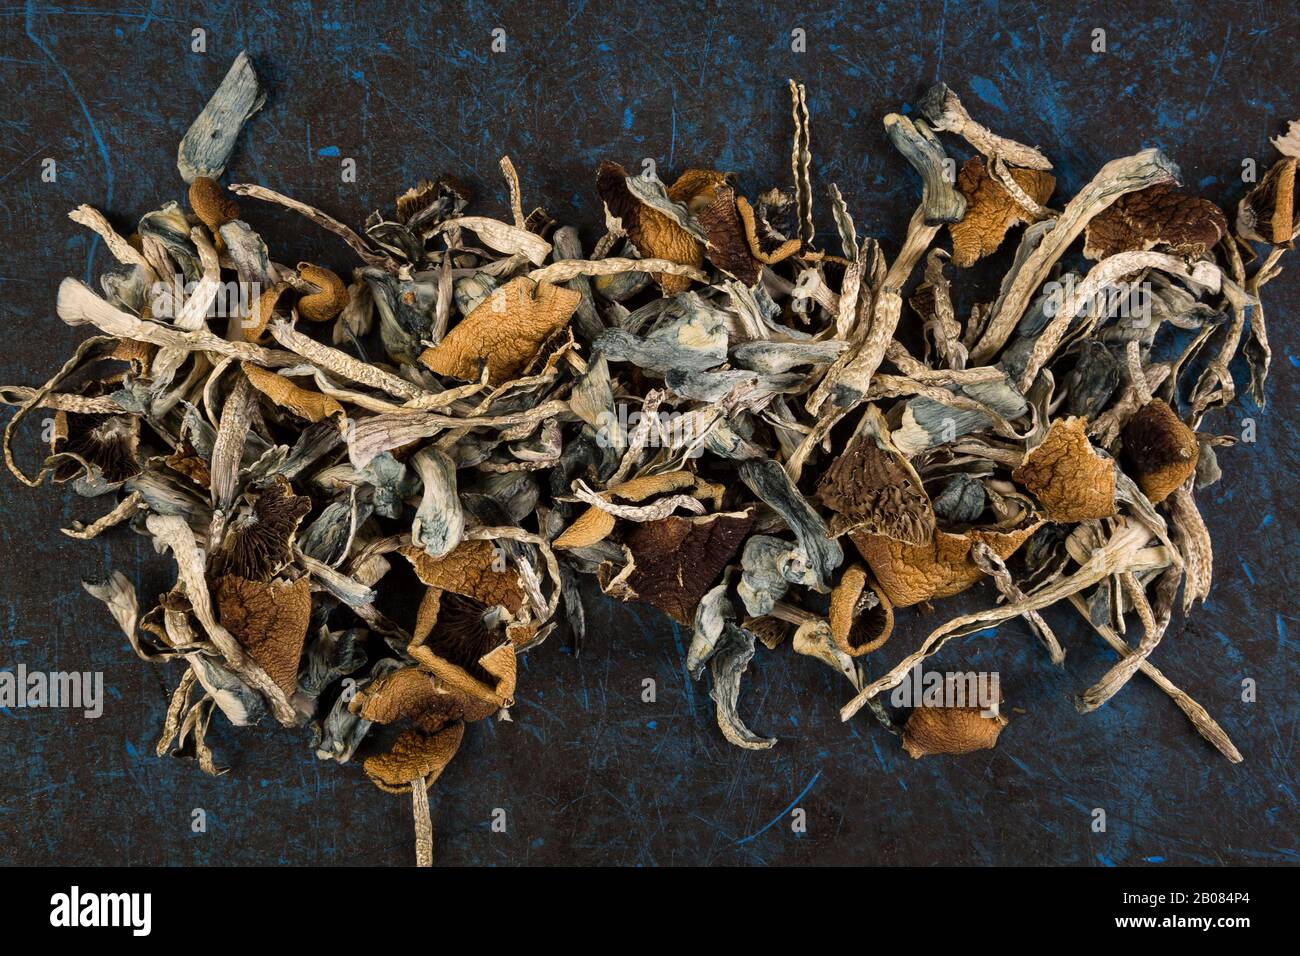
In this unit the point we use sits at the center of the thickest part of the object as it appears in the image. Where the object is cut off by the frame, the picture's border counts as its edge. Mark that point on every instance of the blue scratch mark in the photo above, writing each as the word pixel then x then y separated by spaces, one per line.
pixel 327 151
pixel 782 815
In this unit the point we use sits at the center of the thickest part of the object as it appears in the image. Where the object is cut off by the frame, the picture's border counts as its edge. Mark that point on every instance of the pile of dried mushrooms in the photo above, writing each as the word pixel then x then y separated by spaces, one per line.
pixel 705 412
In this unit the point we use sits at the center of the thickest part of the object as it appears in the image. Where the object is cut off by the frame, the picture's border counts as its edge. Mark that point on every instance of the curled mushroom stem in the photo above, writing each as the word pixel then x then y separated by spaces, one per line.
pixel 940 199
pixel 944 109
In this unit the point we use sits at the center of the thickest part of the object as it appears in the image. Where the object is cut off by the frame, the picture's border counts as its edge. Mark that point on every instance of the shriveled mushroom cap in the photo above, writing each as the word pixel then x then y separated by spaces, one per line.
pixel 656 235
pixel 874 489
pixel 414 695
pixel 415 760
pixel 678 559
pixel 468 570
pixel 1156 217
pixel 328 301
pixel 313 406
pixel 861 616
pixel 504 331
pixel 1267 213
pixel 213 205
pixel 990 210
pixel 1070 480
pixel 1160 452
pixel 950 730
pixel 258 543
pixel 942 567
pixel 269 619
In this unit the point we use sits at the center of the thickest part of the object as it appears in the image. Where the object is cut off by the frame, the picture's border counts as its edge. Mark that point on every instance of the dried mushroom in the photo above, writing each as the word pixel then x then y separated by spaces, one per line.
pixel 1160 451
pixel 313 406
pixel 950 730
pixel 991 210
pixel 1158 217
pixel 872 487
pixel 504 331
pixel 939 568
pixel 1267 213
pixel 259 539
pixel 415 758
pixel 1070 480
pixel 676 560
pixel 861 617
pixel 269 619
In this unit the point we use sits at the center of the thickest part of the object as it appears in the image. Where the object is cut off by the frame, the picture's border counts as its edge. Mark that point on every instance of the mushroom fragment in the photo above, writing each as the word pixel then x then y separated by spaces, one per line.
pixel 950 730
pixel 1160 451
pixel 1070 480
pixel 990 210
pixel 1158 217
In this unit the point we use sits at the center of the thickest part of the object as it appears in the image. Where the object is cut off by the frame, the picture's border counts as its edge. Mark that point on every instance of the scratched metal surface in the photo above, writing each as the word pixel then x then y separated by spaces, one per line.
pixel 587 772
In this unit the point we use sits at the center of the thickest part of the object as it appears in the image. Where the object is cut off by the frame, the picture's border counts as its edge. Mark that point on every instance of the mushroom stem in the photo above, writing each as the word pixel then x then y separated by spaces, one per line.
pixel 944 109
pixel 1205 725
pixel 423 824
pixel 940 200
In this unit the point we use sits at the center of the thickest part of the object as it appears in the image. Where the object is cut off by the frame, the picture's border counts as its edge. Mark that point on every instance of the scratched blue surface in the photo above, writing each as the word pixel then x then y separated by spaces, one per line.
pixel 587 772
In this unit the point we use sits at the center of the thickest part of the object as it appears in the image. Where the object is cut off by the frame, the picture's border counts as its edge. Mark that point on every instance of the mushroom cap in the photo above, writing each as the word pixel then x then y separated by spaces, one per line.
pixel 861 616
pixel 504 331
pixel 1070 480
pixel 1160 451
pixel 269 619
pixel 910 573
pixel 991 211
pixel 328 301
pixel 415 758
pixel 950 730
pixel 1158 216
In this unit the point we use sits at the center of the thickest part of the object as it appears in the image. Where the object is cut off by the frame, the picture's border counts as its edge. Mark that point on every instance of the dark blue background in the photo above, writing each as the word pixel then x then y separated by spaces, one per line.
pixel 586 772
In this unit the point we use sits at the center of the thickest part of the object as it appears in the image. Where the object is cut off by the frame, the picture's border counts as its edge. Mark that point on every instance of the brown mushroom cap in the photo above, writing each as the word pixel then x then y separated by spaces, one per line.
pixel 990 210
pixel 414 695
pixel 504 331
pixel 1158 216
pixel 677 560
pixel 313 406
pixel 728 248
pixel 909 574
pixel 950 730
pixel 468 570
pixel 1267 213
pixel 107 442
pixel 416 759
pixel 269 619
pixel 861 617
pixel 1070 480
pixel 257 545
pixel 654 234
pixel 1160 451
pixel 325 304
pixel 873 489
pixel 213 206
